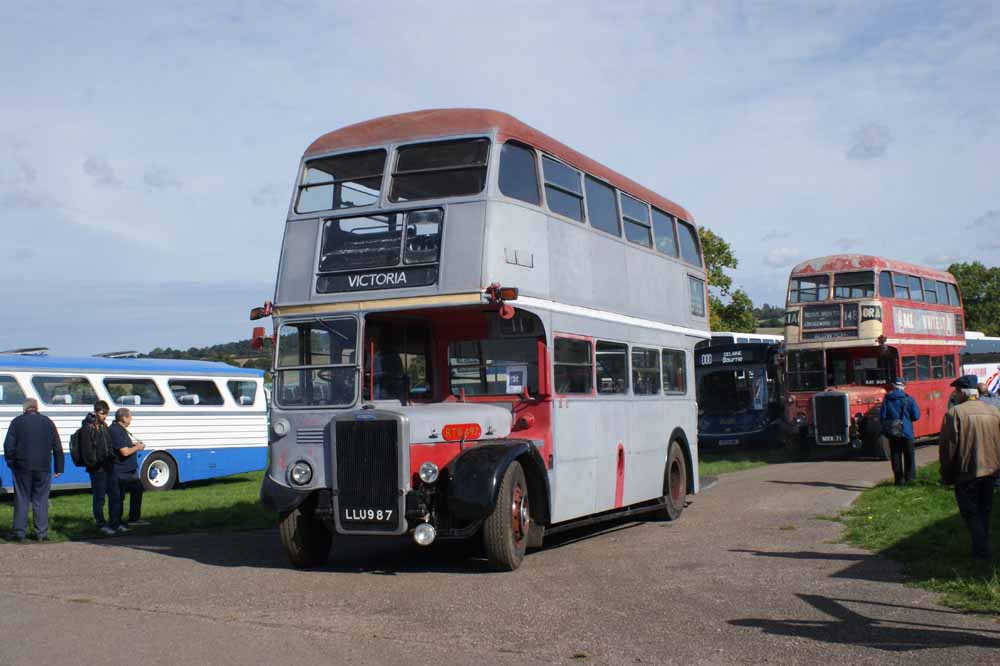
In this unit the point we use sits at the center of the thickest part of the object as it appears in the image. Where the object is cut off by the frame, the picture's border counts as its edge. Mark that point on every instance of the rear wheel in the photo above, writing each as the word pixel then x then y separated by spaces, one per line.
pixel 674 484
pixel 306 539
pixel 507 528
pixel 159 472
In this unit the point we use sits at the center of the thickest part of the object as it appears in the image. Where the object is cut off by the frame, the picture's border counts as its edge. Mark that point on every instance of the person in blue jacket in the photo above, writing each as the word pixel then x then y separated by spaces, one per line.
pixel 32 448
pixel 898 413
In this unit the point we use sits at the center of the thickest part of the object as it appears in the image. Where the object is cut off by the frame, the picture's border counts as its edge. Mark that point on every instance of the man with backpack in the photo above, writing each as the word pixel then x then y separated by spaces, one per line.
pixel 31 448
pixel 93 451
pixel 898 413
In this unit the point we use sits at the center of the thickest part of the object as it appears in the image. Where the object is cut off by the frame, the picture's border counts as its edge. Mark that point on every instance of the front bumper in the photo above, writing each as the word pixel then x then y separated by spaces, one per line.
pixel 279 498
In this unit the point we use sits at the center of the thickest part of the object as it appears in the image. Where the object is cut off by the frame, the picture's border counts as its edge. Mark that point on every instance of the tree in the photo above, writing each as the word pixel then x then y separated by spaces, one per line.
pixel 980 288
pixel 737 314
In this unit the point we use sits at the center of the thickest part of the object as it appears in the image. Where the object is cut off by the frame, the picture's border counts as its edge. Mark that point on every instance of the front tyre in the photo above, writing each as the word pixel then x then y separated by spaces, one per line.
pixel 159 472
pixel 674 484
pixel 306 539
pixel 506 529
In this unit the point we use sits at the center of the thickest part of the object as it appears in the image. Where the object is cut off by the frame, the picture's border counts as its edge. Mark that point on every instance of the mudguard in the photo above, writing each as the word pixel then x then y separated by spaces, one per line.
pixel 279 498
pixel 474 477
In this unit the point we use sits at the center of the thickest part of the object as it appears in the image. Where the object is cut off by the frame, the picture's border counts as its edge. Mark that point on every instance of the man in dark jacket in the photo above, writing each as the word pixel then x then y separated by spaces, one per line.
pixel 970 458
pixel 898 413
pixel 125 473
pixel 95 439
pixel 31 448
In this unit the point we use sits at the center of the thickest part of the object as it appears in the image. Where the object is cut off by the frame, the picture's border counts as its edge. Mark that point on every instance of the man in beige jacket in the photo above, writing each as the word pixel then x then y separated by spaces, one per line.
pixel 970 458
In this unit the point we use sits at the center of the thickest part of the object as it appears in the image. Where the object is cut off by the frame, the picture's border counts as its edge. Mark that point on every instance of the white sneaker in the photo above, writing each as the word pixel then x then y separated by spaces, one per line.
pixel 107 530
pixel 122 529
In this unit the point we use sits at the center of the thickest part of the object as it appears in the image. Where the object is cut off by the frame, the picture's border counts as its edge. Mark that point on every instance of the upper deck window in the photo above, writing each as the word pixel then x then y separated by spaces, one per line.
pixel 916 291
pixel 953 295
pixel 635 215
pixel 690 250
pixel 809 289
pixel 902 284
pixel 65 390
pixel 10 391
pixel 519 173
pixel 563 192
pixel 602 207
pixel 341 181
pixel 664 233
pixel 930 291
pixel 697 288
pixel 374 241
pixel 942 293
pixel 859 284
pixel 440 169
pixel 885 284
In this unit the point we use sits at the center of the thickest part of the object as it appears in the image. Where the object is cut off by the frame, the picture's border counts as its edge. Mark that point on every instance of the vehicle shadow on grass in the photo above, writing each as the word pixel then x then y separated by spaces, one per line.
pixel 852 487
pixel 851 627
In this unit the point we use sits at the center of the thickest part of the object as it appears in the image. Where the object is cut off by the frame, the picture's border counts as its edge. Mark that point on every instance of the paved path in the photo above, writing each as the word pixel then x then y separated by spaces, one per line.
pixel 749 575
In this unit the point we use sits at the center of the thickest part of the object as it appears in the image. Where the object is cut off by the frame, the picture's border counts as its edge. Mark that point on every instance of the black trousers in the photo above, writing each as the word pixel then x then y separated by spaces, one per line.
pixel 124 483
pixel 904 461
pixel 102 489
pixel 31 489
pixel 975 503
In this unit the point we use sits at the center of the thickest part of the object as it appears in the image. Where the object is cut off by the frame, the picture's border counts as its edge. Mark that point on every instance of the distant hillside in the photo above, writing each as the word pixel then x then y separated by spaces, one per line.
pixel 234 353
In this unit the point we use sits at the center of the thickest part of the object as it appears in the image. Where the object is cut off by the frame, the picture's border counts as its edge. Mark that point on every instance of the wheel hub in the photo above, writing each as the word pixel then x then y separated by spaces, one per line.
pixel 520 516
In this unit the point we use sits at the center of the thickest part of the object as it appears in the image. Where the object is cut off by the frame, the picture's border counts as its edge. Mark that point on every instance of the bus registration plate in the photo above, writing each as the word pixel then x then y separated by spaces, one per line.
pixel 728 442
pixel 368 515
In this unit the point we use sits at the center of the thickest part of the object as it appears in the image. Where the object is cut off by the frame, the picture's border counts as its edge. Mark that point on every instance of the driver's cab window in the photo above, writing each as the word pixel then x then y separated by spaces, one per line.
pixel 396 365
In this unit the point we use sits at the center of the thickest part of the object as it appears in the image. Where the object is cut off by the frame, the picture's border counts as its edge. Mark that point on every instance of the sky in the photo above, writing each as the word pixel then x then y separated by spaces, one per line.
pixel 148 150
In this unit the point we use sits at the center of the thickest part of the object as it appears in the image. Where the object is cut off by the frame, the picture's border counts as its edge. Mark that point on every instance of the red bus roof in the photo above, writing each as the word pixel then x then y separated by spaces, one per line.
pixel 434 123
pixel 839 263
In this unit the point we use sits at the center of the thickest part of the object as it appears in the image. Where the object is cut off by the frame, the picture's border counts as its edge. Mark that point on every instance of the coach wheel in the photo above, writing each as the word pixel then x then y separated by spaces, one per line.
pixel 159 472
pixel 674 484
pixel 306 539
pixel 882 449
pixel 506 529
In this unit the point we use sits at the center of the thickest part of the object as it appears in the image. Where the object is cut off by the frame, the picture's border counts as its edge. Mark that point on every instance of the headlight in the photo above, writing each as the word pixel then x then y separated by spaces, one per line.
pixel 281 427
pixel 300 473
pixel 428 472
pixel 800 419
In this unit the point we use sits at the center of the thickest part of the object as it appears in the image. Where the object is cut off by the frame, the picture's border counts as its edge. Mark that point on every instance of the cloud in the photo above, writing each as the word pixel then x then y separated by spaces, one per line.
pixel 159 178
pixel 870 142
pixel 990 218
pixel 268 195
pixel 774 234
pixel 943 259
pixel 102 172
pixel 781 256
pixel 846 244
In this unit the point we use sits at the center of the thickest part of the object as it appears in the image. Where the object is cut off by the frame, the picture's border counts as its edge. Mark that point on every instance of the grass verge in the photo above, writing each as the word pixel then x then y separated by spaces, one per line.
pixel 919 525
pixel 228 503
pixel 714 464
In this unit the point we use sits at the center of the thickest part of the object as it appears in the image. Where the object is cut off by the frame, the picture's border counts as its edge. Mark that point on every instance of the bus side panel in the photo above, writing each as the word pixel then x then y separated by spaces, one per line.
pixel 201 464
pixel 608 423
pixel 649 430
pixel 575 460
pixel 517 248
pixel 587 270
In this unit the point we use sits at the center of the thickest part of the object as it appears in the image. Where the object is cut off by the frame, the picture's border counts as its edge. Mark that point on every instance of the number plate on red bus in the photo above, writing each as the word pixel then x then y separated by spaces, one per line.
pixel 368 515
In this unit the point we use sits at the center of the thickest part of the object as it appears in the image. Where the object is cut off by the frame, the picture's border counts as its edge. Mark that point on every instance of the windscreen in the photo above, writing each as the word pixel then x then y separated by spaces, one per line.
pixel 725 391
pixel 809 289
pixel 316 363
pixel 805 371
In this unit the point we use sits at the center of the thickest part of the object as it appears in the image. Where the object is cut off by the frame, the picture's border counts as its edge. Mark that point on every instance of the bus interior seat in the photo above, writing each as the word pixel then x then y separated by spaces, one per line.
pixel 62 399
pixel 246 400
pixel 129 400
pixel 189 399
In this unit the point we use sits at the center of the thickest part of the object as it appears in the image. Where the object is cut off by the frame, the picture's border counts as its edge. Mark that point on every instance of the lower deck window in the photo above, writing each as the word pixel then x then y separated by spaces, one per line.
pixel 645 371
pixel 243 392
pixel 493 367
pixel 574 366
pixel 612 367
pixel 674 371
pixel 10 391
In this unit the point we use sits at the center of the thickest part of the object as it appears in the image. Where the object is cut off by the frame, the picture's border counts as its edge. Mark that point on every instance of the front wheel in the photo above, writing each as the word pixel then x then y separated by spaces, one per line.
pixel 306 539
pixel 159 472
pixel 674 484
pixel 507 528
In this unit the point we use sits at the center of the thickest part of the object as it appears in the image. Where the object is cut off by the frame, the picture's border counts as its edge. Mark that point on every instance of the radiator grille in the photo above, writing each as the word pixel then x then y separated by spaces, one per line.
pixel 309 436
pixel 367 455
pixel 830 418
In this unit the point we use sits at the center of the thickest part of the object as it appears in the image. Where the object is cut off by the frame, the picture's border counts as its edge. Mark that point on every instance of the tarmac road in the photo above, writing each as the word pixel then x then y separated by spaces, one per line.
pixel 748 575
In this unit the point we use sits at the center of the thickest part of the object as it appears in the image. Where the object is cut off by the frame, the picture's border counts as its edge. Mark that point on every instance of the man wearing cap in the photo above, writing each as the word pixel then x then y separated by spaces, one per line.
pixel 898 413
pixel 970 459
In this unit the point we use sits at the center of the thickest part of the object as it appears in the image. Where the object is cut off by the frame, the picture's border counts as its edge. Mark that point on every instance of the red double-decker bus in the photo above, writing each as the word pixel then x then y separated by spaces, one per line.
pixel 853 324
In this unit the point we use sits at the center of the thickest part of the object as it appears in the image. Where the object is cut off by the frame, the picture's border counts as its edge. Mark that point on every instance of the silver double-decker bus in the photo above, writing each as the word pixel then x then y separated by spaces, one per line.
pixel 479 333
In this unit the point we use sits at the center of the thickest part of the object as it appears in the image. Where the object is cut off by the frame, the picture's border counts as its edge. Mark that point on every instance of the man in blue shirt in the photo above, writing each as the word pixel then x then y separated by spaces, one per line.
pixel 124 473
pixel 31 448
pixel 898 413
